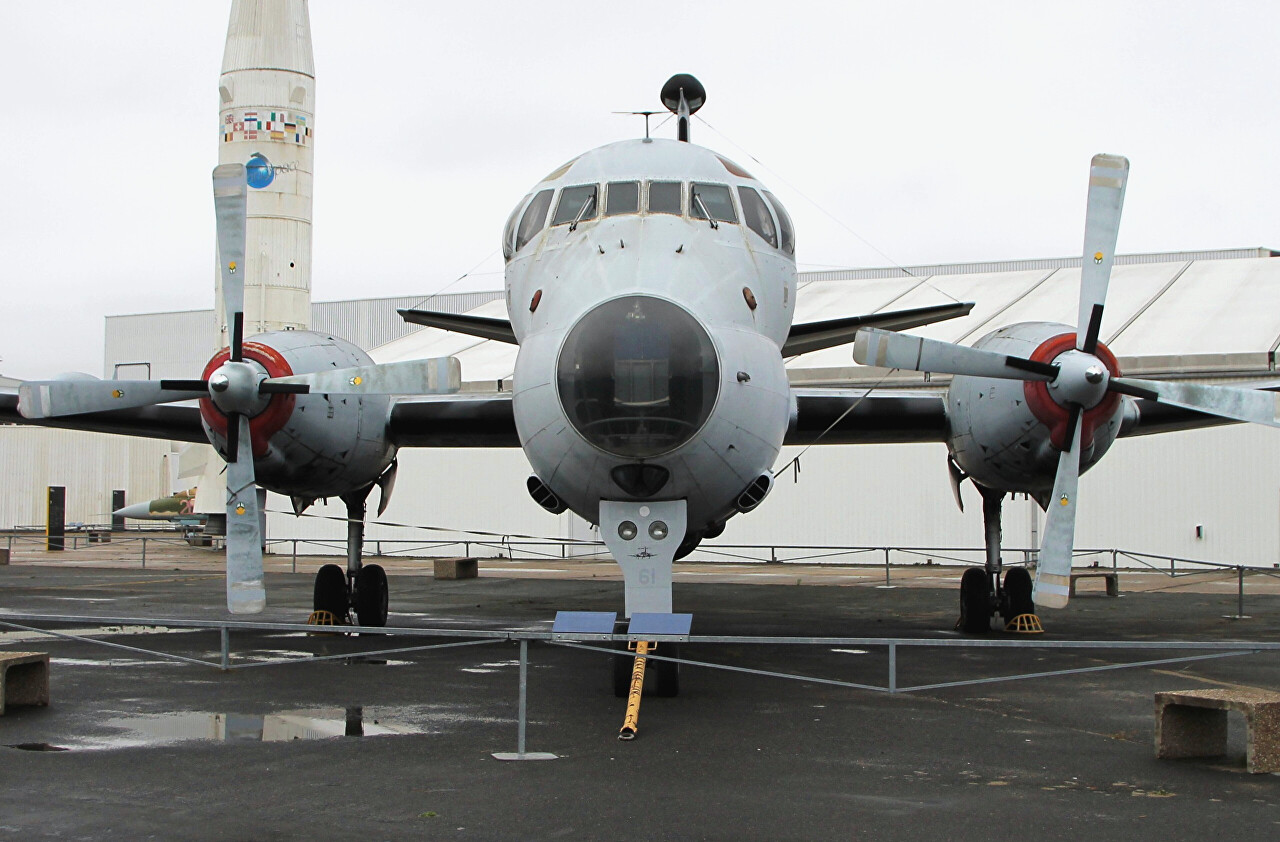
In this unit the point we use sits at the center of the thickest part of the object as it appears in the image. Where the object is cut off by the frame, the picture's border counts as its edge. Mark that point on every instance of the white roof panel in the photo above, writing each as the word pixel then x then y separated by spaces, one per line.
pixel 1216 307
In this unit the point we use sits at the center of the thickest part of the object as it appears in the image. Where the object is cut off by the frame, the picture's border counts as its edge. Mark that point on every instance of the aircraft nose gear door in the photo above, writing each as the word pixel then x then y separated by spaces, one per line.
pixel 643 539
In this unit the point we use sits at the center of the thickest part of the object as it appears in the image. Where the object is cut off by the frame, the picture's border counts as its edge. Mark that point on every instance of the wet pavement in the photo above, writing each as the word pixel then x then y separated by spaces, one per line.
pixel 399 746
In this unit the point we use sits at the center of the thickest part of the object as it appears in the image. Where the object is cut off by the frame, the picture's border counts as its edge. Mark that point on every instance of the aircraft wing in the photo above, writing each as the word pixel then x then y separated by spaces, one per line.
pixel 814 336
pixel 863 416
pixel 457 420
pixel 498 330
pixel 162 421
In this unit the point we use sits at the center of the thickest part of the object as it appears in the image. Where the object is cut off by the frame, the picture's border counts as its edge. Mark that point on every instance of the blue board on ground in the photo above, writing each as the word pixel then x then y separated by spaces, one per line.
pixel 584 625
pixel 659 626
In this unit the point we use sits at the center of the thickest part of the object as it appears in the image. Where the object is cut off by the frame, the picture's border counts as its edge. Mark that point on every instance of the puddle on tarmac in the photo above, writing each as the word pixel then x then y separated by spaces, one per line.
pixel 322 724
pixel 286 726
pixel 491 667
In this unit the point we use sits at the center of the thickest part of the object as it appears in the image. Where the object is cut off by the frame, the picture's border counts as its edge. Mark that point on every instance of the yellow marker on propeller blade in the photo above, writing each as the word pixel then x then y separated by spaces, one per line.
pixel 1064 501
pixel 240 509
pixel 357 380
pixel 117 393
pixel 1097 257
pixel 232 267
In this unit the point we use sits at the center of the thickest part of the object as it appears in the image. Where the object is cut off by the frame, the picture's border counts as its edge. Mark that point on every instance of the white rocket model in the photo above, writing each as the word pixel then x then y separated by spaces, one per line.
pixel 266 121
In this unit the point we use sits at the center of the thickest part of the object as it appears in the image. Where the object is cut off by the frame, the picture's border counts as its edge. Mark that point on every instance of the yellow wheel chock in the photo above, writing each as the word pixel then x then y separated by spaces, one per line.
pixel 323 618
pixel 632 720
pixel 1025 624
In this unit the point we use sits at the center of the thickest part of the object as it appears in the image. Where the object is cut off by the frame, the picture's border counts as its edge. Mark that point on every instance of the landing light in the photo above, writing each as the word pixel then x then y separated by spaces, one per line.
pixel 627 530
pixel 657 530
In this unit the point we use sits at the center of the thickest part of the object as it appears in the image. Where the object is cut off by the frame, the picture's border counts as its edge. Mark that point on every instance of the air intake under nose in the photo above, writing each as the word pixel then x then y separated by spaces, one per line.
pixel 638 376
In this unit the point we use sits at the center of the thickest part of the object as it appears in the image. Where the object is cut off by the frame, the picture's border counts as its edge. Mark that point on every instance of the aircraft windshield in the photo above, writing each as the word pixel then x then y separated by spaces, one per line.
pixel 576 203
pixel 784 222
pixel 715 198
pixel 623 197
pixel 664 197
pixel 534 217
pixel 756 215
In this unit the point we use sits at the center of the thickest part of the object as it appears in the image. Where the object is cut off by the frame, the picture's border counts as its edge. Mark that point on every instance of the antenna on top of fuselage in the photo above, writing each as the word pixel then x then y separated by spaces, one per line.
pixel 683 95
pixel 646 115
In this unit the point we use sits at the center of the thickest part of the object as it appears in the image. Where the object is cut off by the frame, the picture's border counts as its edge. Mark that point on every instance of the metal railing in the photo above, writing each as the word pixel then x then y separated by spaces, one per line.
pixel 458 638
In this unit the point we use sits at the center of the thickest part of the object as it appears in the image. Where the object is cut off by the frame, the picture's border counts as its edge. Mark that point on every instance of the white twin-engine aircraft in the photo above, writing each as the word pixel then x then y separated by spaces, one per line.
pixel 651 286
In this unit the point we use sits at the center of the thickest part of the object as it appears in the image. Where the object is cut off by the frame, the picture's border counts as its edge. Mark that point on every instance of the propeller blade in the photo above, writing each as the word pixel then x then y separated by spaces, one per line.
pixel 233 436
pixel 1053 570
pixel 1251 405
pixel 54 398
pixel 246 593
pixel 1108 175
pixel 230 202
pixel 435 376
pixel 887 349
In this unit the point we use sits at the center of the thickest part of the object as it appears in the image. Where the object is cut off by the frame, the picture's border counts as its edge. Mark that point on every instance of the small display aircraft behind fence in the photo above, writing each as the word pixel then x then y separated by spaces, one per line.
pixel 650 287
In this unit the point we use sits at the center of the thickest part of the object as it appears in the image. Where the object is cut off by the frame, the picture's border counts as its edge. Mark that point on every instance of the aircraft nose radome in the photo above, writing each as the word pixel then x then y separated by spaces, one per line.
pixel 136 510
pixel 638 376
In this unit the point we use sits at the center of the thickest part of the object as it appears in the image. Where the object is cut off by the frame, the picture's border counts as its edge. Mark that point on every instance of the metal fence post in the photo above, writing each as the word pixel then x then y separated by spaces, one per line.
pixel 1114 564
pixel 226 648
pixel 886 566
pixel 295 555
pixel 1240 602
pixel 893 668
pixel 524 685
pixel 144 553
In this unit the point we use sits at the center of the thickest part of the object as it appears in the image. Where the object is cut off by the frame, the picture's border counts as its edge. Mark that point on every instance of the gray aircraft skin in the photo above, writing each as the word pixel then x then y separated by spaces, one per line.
pixel 650 286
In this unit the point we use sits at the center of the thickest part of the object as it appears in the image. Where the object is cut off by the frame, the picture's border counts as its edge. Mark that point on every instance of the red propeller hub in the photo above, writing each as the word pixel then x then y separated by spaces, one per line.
pixel 1054 415
pixel 267 423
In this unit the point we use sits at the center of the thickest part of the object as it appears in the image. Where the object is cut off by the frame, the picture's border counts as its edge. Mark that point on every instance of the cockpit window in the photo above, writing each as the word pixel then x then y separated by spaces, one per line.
pixel 784 222
pixel 664 197
pixel 623 197
pixel 535 216
pixel 756 214
pixel 509 231
pixel 715 198
pixel 576 203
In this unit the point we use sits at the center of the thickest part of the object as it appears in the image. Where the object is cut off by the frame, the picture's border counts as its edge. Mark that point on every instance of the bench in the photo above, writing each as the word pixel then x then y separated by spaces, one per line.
pixel 1112 577
pixel 456 568
pixel 1193 723
pixel 24 679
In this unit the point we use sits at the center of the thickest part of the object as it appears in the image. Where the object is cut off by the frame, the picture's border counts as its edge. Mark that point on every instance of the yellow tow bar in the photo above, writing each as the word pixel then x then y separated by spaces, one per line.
pixel 632 720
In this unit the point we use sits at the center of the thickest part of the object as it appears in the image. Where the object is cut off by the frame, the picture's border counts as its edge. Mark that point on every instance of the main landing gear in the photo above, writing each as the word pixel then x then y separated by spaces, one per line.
pixel 362 588
pixel 982 595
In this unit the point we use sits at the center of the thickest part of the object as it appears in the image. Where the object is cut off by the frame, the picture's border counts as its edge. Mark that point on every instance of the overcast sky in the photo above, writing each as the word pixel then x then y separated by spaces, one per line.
pixel 936 132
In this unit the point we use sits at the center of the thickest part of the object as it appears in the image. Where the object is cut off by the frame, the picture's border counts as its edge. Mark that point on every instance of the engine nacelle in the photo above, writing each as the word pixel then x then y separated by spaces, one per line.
pixel 1007 434
pixel 311 445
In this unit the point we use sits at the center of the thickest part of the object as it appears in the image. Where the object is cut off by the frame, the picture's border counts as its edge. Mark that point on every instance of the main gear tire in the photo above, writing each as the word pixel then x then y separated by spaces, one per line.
pixel 372 596
pixel 1017 590
pixel 330 593
pixel 975 602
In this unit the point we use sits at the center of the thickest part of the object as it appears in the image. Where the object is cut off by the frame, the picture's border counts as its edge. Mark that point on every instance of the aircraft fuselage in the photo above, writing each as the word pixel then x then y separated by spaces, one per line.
pixel 649 365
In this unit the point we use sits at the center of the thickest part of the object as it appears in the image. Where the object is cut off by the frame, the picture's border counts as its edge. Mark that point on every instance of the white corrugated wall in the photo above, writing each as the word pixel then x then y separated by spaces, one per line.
pixel 89 465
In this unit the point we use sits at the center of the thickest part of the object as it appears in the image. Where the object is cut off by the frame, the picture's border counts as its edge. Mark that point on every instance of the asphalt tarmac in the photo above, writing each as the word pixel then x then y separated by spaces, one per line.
pixel 162 750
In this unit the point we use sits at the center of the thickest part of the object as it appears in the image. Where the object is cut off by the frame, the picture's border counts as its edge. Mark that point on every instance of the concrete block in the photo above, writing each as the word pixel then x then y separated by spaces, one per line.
pixel 456 568
pixel 1193 723
pixel 24 679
